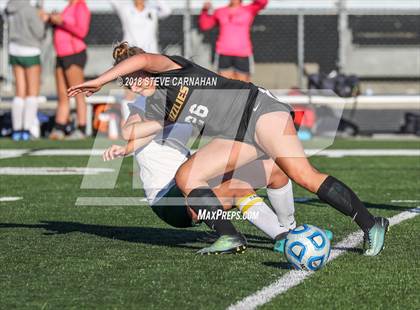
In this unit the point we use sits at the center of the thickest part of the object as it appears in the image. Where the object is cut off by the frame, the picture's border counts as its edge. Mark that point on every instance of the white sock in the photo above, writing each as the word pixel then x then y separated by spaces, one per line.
pixel 17 113
pixel 265 219
pixel 30 112
pixel 281 200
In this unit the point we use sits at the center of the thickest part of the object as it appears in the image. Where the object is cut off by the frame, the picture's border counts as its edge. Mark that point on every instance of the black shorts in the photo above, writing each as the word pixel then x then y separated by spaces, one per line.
pixel 235 63
pixel 78 59
pixel 258 104
pixel 173 215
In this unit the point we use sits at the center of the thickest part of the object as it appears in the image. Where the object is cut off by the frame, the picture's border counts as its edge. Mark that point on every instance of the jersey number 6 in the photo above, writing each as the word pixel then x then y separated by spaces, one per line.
pixel 197 110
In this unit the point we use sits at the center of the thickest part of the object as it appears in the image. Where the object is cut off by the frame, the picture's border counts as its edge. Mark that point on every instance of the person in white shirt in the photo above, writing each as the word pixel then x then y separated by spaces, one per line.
pixel 139 19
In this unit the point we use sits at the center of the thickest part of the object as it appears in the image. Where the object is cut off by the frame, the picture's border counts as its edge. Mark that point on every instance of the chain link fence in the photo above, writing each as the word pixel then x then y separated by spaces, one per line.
pixel 380 47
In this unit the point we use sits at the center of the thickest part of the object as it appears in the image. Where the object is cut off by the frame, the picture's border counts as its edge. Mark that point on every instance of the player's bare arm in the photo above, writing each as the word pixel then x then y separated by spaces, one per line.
pixel 151 63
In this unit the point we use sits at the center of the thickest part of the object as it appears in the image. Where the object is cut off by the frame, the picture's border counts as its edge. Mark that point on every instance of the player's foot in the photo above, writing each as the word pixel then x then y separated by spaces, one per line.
pixel 226 244
pixel 26 136
pixel 281 240
pixel 76 135
pixel 375 237
pixel 57 134
pixel 16 135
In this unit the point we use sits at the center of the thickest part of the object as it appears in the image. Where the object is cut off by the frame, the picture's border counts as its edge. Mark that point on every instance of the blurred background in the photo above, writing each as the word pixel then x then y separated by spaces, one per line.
pixel 375 42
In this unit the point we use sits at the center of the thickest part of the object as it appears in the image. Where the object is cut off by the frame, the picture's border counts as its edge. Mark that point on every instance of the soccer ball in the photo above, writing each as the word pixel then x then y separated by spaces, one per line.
pixel 307 248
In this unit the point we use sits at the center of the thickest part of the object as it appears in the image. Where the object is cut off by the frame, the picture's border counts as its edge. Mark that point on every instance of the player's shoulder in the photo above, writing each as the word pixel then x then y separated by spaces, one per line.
pixel 183 62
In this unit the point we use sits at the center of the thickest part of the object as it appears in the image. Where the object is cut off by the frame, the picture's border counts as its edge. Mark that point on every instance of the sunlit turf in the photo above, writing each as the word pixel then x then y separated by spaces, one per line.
pixel 56 255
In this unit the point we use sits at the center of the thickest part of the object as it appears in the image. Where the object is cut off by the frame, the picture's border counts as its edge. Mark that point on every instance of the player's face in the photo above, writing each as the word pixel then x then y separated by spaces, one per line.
pixel 235 2
pixel 138 2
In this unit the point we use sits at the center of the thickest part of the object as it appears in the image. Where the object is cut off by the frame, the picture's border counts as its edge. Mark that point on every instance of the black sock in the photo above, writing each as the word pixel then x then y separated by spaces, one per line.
pixel 82 128
pixel 343 199
pixel 203 201
pixel 60 127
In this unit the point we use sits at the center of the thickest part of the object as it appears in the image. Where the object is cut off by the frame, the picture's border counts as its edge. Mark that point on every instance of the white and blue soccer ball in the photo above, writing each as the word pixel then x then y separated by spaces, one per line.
pixel 307 248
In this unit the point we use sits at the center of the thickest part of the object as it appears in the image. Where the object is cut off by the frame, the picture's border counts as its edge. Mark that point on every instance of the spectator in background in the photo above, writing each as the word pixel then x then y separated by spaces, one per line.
pixel 139 19
pixel 26 32
pixel 70 29
pixel 234 55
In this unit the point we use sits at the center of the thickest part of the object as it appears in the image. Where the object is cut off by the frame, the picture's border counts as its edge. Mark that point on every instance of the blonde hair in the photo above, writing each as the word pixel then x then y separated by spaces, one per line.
pixel 123 50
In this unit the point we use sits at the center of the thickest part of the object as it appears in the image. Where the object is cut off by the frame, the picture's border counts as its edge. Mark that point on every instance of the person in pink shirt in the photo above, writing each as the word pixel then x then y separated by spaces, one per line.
pixel 234 55
pixel 71 28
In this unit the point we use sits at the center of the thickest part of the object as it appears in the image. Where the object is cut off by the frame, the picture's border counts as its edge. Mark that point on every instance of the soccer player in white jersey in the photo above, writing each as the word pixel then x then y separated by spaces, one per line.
pixel 159 158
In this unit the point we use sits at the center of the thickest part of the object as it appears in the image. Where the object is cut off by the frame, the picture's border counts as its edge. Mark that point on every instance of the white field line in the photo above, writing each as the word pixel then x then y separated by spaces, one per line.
pixel 9 199
pixel 405 201
pixel 12 153
pixel 111 201
pixel 294 277
pixel 53 171
pixel 310 152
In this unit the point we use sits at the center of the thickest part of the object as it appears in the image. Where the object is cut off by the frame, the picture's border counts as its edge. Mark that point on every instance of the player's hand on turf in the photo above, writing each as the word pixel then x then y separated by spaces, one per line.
pixel 88 88
pixel 113 152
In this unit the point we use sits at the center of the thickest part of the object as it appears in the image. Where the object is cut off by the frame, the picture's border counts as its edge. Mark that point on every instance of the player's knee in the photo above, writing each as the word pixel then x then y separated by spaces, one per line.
pixel 184 179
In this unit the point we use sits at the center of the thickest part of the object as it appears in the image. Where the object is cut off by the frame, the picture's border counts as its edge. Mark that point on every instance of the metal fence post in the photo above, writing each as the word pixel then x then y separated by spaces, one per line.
pixel 342 35
pixel 5 70
pixel 301 50
pixel 187 30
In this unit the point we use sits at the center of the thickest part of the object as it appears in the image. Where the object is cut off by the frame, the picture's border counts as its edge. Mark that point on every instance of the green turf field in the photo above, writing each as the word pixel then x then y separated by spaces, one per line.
pixel 55 255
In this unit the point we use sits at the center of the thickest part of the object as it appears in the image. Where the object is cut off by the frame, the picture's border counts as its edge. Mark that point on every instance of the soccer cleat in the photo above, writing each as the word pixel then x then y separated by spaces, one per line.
pixel 279 244
pixel 16 135
pixel 26 136
pixel 76 135
pixel 57 134
pixel 374 239
pixel 226 244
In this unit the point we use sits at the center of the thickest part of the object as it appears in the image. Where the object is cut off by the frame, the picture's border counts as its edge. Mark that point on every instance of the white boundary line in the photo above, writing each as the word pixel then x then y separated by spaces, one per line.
pixel 10 199
pixel 294 277
pixel 111 201
pixel 11 153
pixel 53 171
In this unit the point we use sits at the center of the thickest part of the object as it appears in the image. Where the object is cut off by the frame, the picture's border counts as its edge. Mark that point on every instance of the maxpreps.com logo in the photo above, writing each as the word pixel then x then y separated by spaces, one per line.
pixel 226 215
pixel 179 103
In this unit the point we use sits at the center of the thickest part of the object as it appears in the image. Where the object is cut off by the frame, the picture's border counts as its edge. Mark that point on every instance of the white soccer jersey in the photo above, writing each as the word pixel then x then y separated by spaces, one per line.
pixel 158 165
pixel 141 27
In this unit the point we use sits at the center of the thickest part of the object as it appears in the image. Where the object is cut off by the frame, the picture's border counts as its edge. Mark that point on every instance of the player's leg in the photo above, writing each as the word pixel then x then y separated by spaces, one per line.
pixel 175 214
pixel 192 178
pixel 280 194
pixel 63 108
pixel 225 66
pixel 18 101
pixel 33 79
pixel 235 192
pixel 288 153
pixel 242 67
pixel 75 76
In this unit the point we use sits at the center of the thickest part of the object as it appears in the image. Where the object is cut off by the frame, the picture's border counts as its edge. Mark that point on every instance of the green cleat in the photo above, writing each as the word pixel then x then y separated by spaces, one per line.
pixel 226 244
pixel 375 238
pixel 279 244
